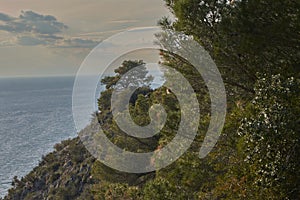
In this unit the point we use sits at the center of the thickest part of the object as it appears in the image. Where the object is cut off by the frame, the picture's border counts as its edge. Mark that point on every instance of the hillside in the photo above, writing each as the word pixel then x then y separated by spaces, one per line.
pixel 63 174
pixel 256 46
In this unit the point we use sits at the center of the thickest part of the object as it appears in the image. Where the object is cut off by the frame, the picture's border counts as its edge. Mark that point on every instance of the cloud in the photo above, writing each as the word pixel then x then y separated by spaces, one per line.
pixel 5 18
pixel 77 43
pixel 32 22
pixel 30 41
pixel 51 37
pixel 54 41
pixel 32 29
pixel 8 42
pixel 32 16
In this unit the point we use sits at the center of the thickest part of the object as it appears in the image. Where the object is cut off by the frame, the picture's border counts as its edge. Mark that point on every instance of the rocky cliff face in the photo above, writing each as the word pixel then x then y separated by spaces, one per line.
pixel 62 174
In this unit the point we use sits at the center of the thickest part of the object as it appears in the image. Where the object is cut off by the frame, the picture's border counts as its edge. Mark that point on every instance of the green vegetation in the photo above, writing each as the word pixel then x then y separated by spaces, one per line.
pixel 256 46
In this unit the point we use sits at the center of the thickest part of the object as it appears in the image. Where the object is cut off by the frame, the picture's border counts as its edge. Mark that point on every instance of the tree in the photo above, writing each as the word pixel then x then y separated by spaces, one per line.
pixel 247 39
pixel 271 137
pixel 133 73
pixel 244 37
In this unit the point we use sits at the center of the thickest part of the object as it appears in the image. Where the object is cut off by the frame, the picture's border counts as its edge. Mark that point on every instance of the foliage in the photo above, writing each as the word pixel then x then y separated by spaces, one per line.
pixel 256 45
pixel 243 37
pixel 271 136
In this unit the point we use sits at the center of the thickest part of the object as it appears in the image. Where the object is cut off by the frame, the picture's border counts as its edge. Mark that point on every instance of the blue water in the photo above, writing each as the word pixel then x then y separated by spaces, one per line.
pixel 35 114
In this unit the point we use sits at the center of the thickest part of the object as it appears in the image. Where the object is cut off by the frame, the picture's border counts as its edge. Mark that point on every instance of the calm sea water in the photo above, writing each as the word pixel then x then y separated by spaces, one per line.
pixel 35 114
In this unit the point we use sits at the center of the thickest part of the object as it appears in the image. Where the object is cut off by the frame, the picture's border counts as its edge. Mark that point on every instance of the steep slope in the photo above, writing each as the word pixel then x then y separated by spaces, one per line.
pixel 62 174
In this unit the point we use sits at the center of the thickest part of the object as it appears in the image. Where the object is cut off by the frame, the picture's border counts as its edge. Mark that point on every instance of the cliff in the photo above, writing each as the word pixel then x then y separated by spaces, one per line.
pixel 63 174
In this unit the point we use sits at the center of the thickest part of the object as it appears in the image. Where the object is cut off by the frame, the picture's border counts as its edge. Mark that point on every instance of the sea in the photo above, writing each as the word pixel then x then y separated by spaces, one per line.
pixel 35 114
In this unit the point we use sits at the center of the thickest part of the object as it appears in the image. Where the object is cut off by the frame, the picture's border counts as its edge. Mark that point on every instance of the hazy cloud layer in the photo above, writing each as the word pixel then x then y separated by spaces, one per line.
pixel 78 43
pixel 31 29
pixel 30 41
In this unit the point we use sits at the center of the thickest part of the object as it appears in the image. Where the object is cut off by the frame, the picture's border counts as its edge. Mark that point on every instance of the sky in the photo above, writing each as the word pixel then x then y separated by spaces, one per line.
pixel 52 38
